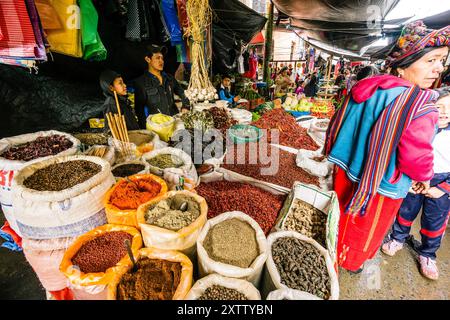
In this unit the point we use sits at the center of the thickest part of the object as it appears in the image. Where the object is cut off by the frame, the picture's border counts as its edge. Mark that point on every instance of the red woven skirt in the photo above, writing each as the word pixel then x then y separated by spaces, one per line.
pixel 360 237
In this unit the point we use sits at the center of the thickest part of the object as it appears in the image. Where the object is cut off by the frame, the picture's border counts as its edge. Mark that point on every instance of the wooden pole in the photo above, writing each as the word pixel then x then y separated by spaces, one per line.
pixel 268 43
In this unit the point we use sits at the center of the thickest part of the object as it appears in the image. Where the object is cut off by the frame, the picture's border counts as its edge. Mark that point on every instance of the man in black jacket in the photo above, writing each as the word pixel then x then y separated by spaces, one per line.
pixel 155 89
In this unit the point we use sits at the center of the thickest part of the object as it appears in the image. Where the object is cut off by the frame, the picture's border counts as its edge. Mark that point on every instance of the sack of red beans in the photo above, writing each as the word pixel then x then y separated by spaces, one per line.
pixel 93 260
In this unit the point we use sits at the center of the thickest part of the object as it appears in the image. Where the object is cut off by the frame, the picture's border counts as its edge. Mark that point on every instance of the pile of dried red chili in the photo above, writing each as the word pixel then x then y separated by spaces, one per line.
pixel 222 120
pixel 290 133
pixel 224 196
pixel 285 174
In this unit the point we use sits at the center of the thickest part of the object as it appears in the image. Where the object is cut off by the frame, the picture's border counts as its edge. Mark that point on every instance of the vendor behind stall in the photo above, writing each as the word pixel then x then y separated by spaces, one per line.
pixel 111 81
pixel 225 91
pixel 155 89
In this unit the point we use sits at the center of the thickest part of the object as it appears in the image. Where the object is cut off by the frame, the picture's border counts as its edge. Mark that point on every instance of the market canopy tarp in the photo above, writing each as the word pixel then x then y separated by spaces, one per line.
pixel 234 25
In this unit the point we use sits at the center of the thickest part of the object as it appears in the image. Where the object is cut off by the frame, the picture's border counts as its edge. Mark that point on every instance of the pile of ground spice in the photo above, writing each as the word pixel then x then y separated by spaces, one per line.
pixel 232 242
pixel 102 253
pixel 154 280
pixel 130 195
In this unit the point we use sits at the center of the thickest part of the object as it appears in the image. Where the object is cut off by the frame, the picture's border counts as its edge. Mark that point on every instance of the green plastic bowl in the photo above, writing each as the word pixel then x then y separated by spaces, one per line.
pixel 241 139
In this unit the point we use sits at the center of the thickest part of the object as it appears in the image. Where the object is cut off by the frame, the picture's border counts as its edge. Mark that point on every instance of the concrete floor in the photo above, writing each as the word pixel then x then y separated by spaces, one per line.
pixel 383 277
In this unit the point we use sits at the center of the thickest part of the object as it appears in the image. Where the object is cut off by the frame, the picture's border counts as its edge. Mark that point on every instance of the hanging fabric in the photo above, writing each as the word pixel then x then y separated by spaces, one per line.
pixel 48 15
pixel 66 40
pixel 164 31
pixel 133 32
pixel 182 14
pixel 93 47
pixel 18 40
pixel 40 53
pixel 171 18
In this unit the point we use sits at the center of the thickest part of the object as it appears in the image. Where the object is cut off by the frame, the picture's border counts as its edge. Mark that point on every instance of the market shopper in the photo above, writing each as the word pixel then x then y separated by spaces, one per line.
pixel 435 201
pixel 155 89
pixel 225 91
pixel 283 82
pixel 311 87
pixel 380 140
pixel 111 81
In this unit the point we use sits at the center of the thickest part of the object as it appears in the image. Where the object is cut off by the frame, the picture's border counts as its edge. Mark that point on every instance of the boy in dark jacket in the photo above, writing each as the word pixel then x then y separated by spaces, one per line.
pixel 111 81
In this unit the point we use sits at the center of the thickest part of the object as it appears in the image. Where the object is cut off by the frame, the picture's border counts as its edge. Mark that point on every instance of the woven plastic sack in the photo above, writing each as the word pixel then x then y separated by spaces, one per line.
pixel 183 240
pixel 116 215
pixel 66 213
pixel 207 265
pixel 152 253
pixel 244 287
pixel 291 294
pixel 94 284
pixel 9 168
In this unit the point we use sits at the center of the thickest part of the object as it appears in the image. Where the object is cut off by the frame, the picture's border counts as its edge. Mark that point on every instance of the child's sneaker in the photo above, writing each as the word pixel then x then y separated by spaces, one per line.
pixel 391 247
pixel 428 268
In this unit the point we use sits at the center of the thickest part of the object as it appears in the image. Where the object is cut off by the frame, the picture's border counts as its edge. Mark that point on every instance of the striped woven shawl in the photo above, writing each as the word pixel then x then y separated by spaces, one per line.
pixel 383 141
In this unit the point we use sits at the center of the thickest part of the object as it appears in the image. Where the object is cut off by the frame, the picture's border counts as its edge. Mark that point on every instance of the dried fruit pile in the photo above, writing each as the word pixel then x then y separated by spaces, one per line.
pixel 290 133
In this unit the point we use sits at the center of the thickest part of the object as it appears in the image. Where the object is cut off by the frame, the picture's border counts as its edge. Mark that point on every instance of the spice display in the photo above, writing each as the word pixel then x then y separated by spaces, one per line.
pixel 212 142
pixel 221 118
pixel 232 242
pixel 170 214
pixel 154 280
pixel 224 196
pixel 164 161
pixel 60 176
pixel 290 133
pixel 139 138
pixel 130 195
pixel 285 174
pixel 307 220
pixel 198 120
pixel 92 138
pixel 102 253
pixel 41 147
pixel 301 266
pixel 217 292
pixel 128 169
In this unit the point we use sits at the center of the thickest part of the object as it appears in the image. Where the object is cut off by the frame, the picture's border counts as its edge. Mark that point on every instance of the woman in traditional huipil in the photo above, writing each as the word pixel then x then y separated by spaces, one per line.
pixel 380 141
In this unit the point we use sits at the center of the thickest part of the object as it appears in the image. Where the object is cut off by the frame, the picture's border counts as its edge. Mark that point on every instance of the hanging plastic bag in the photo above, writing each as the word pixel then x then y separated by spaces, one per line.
pixel 152 253
pixel 93 47
pixel 66 40
pixel 244 287
pixel 207 265
pixel 183 240
pixel 93 285
pixel 171 18
pixel 128 217
pixel 48 15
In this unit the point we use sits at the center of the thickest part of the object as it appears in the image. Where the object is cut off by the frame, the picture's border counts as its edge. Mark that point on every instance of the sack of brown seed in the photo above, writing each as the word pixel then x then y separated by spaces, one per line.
pixel 61 197
pixel 217 287
pixel 298 262
pixel 314 213
pixel 19 151
pixel 232 245
pixel 94 258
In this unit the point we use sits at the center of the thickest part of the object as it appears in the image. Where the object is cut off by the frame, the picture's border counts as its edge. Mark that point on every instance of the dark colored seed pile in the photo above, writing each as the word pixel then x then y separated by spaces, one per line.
pixel 285 176
pixel 224 196
pixel 217 292
pixel 102 253
pixel 41 147
pixel 307 220
pixel 127 170
pixel 301 266
pixel 60 176
pixel 154 280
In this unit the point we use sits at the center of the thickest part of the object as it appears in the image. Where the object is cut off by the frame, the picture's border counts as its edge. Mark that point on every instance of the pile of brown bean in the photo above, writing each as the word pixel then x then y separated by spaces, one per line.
pixel 102 253
pixel 285 176
pixel 60 176
pixel 217 292
pixel 224 196
pixel 307 220
pixel 41 147
pixel 301 266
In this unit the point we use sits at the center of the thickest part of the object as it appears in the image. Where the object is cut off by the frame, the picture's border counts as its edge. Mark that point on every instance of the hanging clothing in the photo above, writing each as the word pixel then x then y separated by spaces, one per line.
pixel 380 139
pixel 252 67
